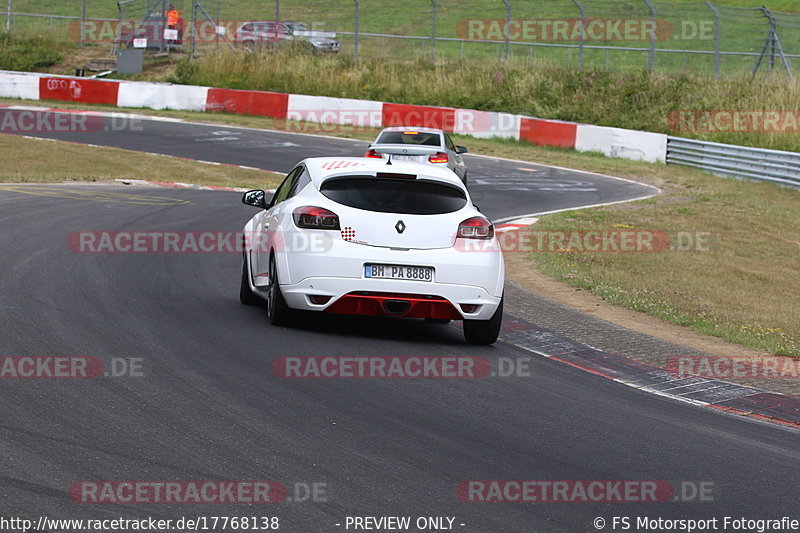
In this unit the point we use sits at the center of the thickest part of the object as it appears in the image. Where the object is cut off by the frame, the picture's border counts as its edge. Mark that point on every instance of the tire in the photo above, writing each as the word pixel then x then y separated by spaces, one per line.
pixel 464 178
pixel 484 331
pixel 249 46
pixel 437 320
pixel 278 313
pixel 246 296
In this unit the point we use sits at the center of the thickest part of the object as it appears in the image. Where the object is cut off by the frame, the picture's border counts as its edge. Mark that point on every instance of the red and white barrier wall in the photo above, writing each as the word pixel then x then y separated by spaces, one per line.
pixel 161 96
pixel 14 85
pixel 613 142
pixel 341 111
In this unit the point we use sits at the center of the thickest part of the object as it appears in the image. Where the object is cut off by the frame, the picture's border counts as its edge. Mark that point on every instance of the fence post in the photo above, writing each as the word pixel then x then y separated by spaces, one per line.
pixel 163 26
pixel 652 60
pixel 773 44
pixel 583 31
pixel 277 9
pixel 355 42
pixel 8 15
pixel 717 29
pixel 183 28
pixel 217 22
pixel 83 21
pixel 507 31
pixel 193 48
pixel 433 30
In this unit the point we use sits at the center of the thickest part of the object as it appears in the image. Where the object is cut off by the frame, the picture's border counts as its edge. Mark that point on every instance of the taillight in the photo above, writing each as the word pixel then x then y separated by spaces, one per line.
pixel 476 228
pixel 315 218
pixel 372 153
pixel 441 157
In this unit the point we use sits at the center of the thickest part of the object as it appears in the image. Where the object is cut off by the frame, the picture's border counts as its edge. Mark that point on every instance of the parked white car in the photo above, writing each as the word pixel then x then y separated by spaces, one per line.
pixel 372 237
pixel 268 34
pixel 424 145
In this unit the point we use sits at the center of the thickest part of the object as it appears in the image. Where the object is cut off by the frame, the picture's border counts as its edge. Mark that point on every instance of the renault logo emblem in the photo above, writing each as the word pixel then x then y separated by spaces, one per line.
pixel 400 226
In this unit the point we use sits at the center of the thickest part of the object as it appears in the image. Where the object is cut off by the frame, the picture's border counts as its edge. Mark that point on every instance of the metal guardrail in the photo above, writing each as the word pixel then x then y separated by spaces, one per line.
pixel 729 160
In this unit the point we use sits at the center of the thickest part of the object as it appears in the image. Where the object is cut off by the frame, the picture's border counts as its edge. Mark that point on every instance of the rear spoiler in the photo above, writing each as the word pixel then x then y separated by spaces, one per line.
pixel 405 149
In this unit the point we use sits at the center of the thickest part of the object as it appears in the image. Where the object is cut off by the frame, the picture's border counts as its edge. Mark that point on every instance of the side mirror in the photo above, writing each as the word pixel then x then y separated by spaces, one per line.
pixel 461 149
pixel 255 199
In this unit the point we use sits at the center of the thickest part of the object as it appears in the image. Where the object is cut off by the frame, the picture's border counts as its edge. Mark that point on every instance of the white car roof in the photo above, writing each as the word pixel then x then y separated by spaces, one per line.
pixel 323 168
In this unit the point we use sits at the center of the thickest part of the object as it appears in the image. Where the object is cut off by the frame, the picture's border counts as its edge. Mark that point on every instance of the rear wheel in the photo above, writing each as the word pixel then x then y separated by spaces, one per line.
pixel 278 313
pixel 246 296
pixel 249 46
pixel 484 331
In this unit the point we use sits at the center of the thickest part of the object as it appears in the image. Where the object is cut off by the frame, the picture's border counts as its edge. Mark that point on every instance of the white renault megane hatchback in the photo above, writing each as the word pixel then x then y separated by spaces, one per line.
pixel 374 237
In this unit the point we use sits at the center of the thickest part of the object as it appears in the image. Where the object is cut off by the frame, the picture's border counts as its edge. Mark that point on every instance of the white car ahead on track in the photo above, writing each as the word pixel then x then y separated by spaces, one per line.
pixel 372 237
pixel 425 145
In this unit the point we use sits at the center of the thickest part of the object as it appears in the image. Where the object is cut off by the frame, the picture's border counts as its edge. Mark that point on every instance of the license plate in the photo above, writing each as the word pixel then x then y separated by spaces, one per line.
pixel 413 273
pixel 406 157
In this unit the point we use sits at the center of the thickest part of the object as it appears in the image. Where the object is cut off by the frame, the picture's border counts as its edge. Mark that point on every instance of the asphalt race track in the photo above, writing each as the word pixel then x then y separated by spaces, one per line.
pixel 499 188
pixel 207 405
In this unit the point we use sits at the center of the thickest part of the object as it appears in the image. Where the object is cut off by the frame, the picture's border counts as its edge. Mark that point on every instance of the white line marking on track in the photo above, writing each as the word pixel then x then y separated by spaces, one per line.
pixel 517 217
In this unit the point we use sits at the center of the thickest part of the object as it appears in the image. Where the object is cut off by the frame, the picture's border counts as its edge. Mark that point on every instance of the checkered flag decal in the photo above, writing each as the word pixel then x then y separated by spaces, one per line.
pixel 348 233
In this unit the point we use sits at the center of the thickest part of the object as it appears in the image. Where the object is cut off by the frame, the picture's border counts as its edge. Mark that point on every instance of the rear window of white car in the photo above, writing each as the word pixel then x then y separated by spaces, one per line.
pixel 393 195
pixel 410 137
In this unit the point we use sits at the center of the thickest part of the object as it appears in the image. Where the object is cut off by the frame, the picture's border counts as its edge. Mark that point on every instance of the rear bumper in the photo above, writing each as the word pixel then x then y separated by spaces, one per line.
pixel 392 298
pixel 466 284
pixel 330 257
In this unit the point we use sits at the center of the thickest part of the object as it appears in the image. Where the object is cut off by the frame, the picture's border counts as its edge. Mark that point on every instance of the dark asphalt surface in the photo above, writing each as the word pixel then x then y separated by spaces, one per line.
pixel 500 188
pixel 209 406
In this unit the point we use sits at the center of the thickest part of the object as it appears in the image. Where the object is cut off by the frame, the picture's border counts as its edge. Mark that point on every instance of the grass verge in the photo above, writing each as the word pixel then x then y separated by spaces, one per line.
pixel 740 287
pixel 633 100
pixel 741 290
pixel 30 52
pixel 76 163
